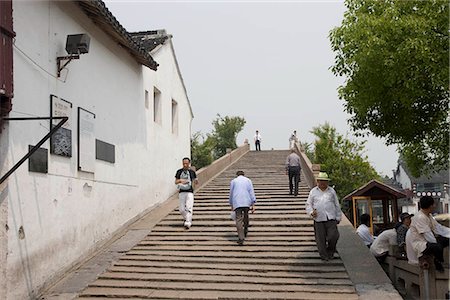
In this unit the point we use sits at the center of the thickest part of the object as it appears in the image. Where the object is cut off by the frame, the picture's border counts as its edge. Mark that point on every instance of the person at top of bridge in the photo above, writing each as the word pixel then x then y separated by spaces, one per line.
pixel 242 199
pixel 186 179
pixel 323 206
pixel 257 140
pixel 293 139
pixel 293 171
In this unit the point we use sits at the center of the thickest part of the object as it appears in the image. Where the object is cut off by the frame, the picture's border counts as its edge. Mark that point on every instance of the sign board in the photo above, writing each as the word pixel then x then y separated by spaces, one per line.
pixel 61 140
pixel 86 141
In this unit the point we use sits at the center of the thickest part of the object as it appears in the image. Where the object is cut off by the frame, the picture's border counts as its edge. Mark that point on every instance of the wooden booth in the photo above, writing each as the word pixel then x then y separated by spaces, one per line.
pixel 376 199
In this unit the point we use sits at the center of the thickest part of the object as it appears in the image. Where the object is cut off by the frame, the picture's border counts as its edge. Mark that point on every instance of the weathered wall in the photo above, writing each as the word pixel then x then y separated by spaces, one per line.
pixel 66 214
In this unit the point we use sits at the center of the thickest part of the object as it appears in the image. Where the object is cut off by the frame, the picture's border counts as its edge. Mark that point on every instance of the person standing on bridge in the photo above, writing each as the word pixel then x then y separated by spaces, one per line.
pixel 323 206
pixel 257 139
pixel 242 199
pixel 185 179
pixel 293 171
pixel 293 139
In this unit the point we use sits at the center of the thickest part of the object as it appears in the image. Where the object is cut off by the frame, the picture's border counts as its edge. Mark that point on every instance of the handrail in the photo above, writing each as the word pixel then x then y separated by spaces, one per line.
pixel 42 141
pixel 208 172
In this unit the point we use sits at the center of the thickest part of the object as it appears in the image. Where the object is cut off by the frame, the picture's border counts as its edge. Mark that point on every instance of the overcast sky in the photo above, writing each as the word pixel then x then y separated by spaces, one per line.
pixel 265 61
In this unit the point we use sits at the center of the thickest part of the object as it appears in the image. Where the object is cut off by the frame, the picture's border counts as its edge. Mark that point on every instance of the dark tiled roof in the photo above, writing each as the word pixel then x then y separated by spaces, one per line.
pixel 97 11
pixel 376 184
pixel 437 177
pixel 149 40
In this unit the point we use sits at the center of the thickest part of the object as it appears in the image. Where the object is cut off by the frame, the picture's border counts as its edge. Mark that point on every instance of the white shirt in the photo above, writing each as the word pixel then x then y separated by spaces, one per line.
pixel 422 230
pixel 381 244
pixel 364 233
pixel 325 202
pixel 257 137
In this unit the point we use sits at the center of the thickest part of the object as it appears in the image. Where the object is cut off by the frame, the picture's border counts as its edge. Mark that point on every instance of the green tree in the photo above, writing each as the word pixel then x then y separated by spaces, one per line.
pixel 224 134
pixel 394 55
pixel 342 159
pixel 201 151
pixel 308 150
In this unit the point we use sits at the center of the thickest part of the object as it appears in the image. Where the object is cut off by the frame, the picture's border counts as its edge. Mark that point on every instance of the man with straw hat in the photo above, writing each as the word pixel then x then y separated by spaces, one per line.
pixel 323 206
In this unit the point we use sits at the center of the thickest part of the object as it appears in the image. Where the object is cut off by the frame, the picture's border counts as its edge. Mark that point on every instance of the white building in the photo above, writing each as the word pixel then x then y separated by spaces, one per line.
pixel 435 185
pixel 128 129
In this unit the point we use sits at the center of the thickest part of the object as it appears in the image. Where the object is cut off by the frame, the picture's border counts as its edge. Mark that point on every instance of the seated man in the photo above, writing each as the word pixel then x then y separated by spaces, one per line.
pixel 363 230
pixel 401 228
pixel 426 237
pixel 380 246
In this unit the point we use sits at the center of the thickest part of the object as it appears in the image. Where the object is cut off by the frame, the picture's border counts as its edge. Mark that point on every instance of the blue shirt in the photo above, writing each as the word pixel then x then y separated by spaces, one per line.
pixel 241 192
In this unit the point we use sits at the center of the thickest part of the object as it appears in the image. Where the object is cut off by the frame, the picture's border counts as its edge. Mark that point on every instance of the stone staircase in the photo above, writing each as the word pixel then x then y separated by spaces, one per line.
pixel 278 261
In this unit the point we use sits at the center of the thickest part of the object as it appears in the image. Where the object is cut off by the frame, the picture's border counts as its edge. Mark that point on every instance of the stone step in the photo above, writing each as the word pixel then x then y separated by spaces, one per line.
pixel 231 235
pixel 205 228
pixel 306 260
pixel 217 286
pixel 224 243
pixel 225 216
pixel 118 294
pixel 215 271
pixel 220 265
pixel 214 278
pixel 248 252
pixel 229 222
pixel 279 259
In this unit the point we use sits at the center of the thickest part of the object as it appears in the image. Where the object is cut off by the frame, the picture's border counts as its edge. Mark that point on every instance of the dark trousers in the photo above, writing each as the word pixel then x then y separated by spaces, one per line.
pixel 437 249
pixel 327 235
pixel 294 179
pixel 242 222
pixel 258 145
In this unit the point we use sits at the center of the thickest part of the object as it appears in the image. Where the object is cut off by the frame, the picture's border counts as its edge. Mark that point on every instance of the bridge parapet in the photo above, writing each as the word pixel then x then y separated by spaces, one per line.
pixel 207 173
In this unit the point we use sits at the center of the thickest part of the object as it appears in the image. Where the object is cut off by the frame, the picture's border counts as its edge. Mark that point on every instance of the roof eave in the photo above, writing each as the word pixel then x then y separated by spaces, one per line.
pixel 97 11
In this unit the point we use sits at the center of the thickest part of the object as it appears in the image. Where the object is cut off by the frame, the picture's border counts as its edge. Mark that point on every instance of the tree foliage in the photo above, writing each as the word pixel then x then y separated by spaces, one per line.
pixel 223 136
pixel 308 149
pixel 225 133
pixel 201 151
pixel 395 57
pixel 342 159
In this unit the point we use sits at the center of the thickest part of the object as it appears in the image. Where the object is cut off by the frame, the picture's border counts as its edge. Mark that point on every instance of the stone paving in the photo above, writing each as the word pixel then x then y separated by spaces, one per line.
pixel 279 259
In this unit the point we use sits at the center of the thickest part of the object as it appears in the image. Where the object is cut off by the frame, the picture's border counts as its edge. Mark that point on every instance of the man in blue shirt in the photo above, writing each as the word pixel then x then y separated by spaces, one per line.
pixel 242 199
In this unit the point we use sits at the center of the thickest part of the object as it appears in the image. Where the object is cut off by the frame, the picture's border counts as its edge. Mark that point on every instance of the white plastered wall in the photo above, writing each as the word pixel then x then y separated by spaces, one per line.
pixel 66 213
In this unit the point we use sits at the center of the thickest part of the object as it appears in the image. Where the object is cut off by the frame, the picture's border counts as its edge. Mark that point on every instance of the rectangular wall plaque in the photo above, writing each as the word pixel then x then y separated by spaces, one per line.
pixel 105 151
pixel 61 140
pixel 38 161
pixel 86 140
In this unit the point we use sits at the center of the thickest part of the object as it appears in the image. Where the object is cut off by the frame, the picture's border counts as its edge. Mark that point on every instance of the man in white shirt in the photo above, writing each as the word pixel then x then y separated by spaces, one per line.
pixel 257 140
pixel 380 246
pixel 363 230
pixel 323 206
pixel 293 139
pixel 421 238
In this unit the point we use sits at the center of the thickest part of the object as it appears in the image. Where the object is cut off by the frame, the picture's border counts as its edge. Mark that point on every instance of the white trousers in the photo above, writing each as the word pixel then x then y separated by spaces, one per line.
pixel 186 207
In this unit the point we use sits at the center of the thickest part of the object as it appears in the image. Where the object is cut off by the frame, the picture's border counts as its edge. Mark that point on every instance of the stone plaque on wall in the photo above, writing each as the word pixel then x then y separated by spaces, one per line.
pixel 38 161
pixel 86 140
pixel 61 140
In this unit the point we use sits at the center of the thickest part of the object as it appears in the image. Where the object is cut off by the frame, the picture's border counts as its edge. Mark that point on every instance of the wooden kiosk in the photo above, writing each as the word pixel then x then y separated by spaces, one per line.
pixel 376 199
